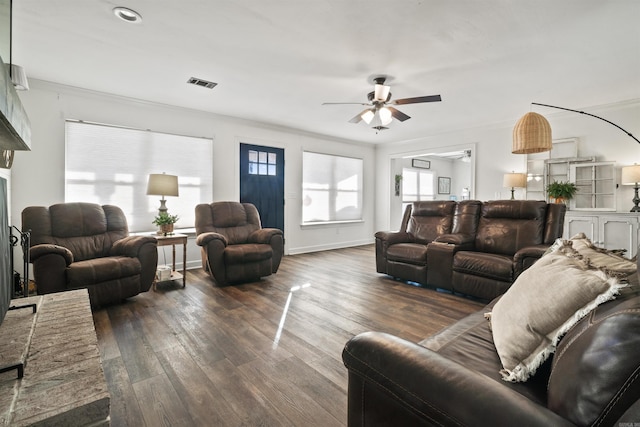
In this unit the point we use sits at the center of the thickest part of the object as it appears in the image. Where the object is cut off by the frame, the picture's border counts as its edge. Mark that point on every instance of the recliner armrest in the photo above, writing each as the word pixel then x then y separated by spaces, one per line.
pixel 130 246
pixel 463 242
pixel 264 235
pixel 409 382
pixel 38 251
pixel 204 238
pixel 393 237
pixel 525 258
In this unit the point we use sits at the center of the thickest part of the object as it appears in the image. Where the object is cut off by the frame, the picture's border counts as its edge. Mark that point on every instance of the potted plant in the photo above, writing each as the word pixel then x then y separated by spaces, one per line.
pixel 165 222
pixel 561 190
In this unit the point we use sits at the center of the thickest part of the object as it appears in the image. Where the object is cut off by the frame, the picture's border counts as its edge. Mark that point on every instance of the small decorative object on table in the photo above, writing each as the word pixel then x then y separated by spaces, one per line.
pixel 165 222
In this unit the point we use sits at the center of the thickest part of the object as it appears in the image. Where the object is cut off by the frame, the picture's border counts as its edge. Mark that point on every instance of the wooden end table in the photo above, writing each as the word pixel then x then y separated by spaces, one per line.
pixel 173 240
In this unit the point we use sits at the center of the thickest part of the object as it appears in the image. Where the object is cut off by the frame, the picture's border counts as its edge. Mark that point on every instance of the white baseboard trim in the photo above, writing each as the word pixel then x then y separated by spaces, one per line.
pixel 318 248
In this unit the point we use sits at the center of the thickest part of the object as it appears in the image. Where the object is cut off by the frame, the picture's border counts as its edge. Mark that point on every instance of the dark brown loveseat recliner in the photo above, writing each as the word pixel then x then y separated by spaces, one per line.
pixel 85 245
pixel 470 247
pixel 235 247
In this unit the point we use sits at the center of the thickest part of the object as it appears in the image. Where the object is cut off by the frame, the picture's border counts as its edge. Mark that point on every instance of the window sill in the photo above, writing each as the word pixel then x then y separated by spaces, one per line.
pixel 329 223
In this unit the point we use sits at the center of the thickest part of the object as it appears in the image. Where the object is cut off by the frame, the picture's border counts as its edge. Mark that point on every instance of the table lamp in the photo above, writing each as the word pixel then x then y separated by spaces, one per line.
pixel 514 180
pixel 161 184
pixel 631 176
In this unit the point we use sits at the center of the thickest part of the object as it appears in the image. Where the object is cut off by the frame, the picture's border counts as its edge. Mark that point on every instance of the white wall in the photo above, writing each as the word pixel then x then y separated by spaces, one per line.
pixel 38 175
pixel 493 157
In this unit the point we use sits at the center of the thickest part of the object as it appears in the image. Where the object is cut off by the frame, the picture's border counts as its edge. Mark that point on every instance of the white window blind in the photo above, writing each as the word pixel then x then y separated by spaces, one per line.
pixel 416 185
pixel 111 165
pixel 331 188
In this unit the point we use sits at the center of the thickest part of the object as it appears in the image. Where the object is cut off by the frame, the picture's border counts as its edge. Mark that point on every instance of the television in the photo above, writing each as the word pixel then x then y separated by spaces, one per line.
pixel 6 275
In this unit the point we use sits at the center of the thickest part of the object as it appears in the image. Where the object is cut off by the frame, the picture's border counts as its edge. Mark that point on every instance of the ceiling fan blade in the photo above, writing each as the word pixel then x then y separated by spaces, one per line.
pixel 358 118
pixel 346 103
pixel 398 115
pixel 418 99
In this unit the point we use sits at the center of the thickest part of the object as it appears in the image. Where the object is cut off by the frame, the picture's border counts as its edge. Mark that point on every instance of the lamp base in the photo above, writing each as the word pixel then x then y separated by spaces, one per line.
pixel 512 193
pixel 635 200
pixel 163 206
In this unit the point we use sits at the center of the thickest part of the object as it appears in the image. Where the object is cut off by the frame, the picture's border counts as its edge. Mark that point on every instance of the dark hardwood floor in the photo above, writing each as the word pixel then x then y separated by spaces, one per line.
pixel 259 354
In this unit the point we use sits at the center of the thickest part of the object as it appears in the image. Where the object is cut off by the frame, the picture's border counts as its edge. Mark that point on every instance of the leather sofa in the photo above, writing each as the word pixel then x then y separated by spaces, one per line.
pixel 85 245
pixel 469 247
pixel 452 378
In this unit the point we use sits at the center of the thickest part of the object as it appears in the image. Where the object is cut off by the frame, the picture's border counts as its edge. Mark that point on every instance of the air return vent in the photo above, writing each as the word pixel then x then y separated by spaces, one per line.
pixel 203 83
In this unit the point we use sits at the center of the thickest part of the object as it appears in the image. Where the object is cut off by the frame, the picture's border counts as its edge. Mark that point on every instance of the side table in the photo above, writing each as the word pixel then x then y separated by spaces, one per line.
pixel 173 240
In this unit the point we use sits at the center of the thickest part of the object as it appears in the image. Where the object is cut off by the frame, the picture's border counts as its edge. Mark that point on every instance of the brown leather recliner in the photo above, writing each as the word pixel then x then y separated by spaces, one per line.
pixel 235 247
pixel 85 245
pixel 403 254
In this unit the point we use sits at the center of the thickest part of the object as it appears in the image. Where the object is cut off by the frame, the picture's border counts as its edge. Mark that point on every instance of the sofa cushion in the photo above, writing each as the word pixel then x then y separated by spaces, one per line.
pixel 542 304
pixel 492 266
pixel 249 252
pixel 469 343
pixel 98 270
pixel 411 253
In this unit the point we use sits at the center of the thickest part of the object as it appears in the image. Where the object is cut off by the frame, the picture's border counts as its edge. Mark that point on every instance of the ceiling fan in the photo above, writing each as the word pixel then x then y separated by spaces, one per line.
pixel 379 105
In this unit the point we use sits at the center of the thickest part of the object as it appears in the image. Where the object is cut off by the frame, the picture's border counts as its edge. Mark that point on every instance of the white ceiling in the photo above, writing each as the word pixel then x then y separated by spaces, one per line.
pixel 277 61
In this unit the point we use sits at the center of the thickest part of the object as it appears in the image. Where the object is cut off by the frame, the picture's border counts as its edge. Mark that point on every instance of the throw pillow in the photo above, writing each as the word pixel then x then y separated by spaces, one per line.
pixel 601 258
pixel 541 305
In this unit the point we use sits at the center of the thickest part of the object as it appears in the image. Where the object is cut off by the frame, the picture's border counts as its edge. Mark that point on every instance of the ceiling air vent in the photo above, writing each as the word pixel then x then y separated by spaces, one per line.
pixel 203 83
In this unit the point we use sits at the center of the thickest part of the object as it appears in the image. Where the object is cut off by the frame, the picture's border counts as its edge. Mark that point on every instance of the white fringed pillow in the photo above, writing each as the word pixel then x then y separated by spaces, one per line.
pixel 541 305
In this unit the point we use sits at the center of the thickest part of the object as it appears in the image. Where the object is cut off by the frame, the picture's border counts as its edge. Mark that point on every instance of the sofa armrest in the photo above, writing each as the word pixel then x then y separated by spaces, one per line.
pixel 130 246
pixel 273 237
pixel 264 235
pixel 384 239
pixel 396 382
pixel 145 248
pixel 38 251
pixel 393 237
pixel 205 238
pixel 463 242
pixel 525 258
pixel 50 263
pixel 440 255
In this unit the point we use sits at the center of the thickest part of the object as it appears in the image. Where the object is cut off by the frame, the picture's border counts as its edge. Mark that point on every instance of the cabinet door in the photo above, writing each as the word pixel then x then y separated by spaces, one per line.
pixel 619 232
pixel 582 224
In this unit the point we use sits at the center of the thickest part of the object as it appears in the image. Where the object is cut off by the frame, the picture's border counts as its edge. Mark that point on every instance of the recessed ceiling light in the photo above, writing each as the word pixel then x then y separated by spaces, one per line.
pixel 127 15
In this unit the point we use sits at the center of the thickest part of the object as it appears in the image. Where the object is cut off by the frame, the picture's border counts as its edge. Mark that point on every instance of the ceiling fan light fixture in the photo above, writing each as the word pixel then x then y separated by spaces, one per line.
pixel 381 92
pixel 367 116
pixel 385 116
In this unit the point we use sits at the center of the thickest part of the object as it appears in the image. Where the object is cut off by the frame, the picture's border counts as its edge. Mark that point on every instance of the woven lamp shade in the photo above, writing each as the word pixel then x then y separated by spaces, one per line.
pixel 532 134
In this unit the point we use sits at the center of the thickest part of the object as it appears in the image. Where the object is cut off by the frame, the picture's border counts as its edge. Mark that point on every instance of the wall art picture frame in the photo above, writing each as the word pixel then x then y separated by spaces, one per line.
pixel 444 185
pixel 420 164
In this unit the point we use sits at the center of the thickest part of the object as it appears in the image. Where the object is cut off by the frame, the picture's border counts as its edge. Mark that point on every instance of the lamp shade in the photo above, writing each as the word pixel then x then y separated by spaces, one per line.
pixel 514 180
pixel 161 184
pixel 531 134
pixel 631 175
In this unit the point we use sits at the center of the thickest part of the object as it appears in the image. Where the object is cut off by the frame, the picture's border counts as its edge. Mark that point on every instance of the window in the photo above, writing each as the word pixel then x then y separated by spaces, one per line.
pixel 331 188
pixel 416 185
pixel 262 163
pixel 111 165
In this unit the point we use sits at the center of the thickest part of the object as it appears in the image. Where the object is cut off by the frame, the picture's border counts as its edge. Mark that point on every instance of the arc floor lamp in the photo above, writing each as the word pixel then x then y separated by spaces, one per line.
pixel 532 134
